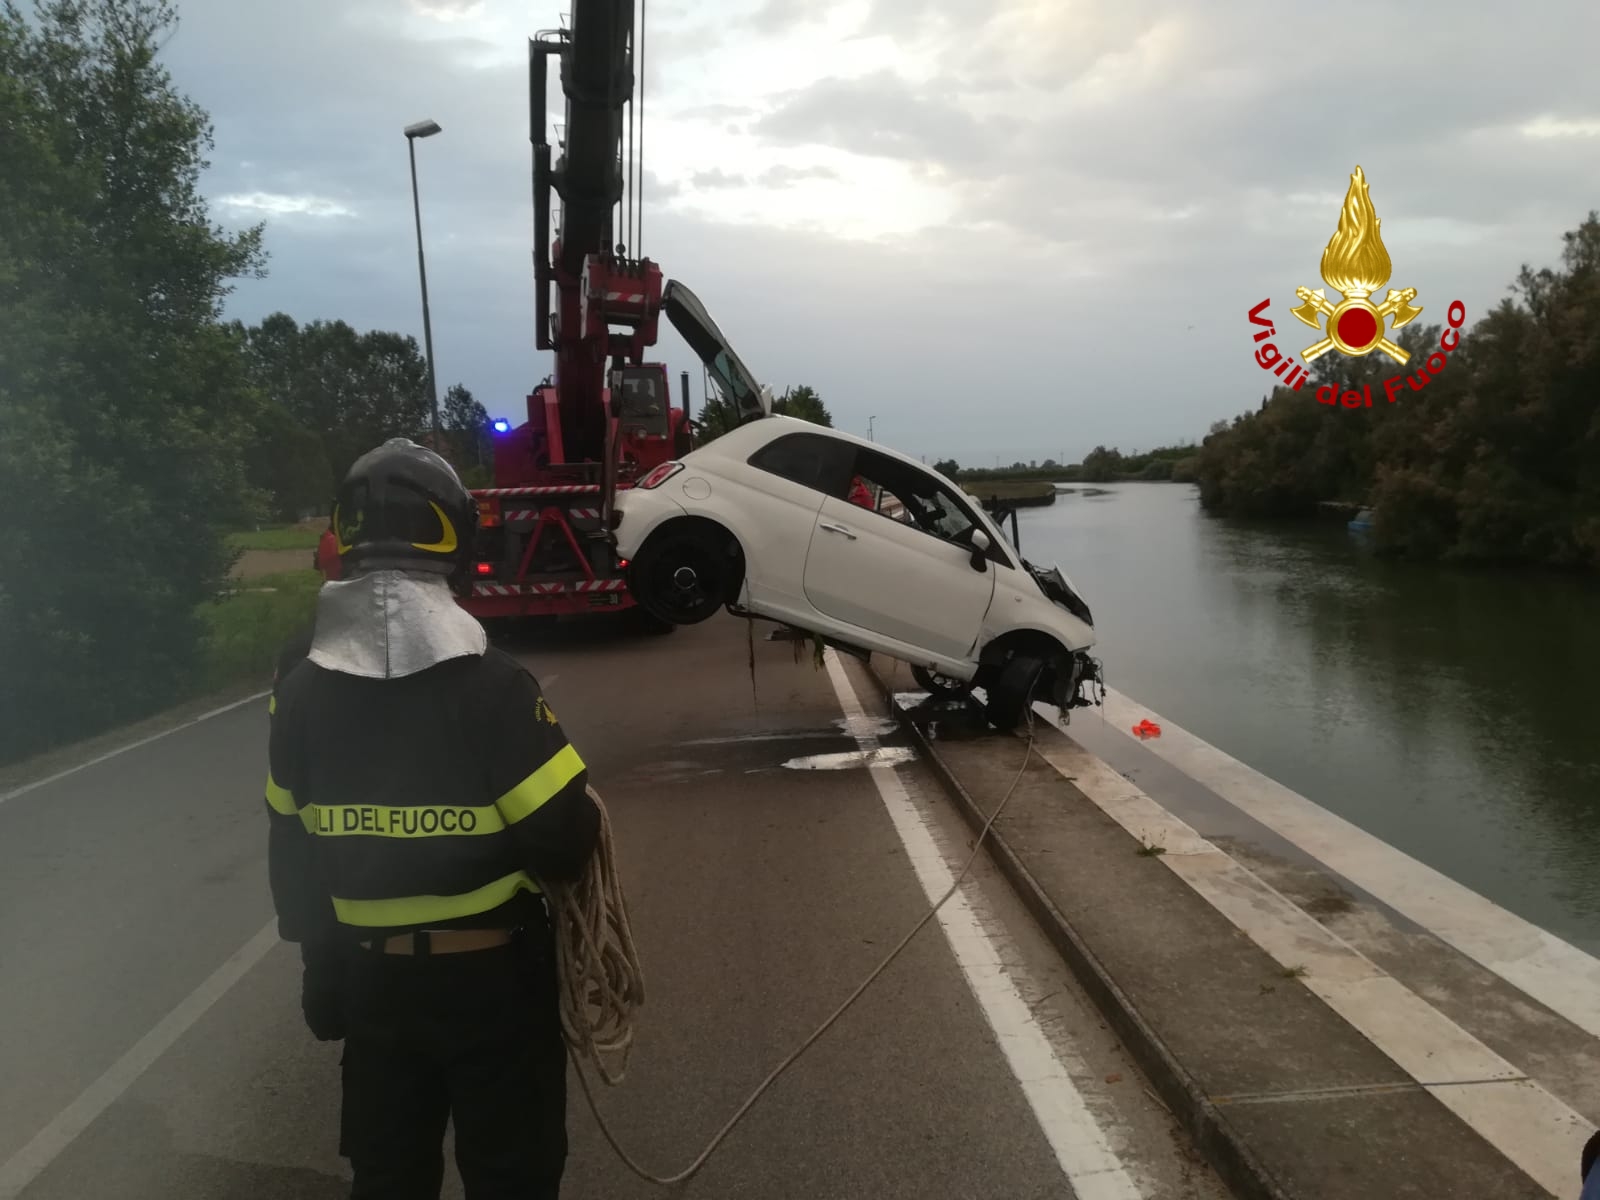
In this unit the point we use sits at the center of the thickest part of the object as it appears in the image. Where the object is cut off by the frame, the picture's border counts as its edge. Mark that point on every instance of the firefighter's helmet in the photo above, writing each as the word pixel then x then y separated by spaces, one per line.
pixel 402 506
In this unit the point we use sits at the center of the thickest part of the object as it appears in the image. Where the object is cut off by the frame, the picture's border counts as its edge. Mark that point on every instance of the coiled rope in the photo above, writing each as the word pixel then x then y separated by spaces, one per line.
pixel 597 966
pixel 602 984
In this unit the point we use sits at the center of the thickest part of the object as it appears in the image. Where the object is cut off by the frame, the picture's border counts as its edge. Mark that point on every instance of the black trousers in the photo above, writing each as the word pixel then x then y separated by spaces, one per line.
pixel 473 1036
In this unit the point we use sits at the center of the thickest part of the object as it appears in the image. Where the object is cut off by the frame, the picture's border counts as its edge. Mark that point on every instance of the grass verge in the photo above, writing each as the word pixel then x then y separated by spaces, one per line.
pixel 248 624
pixel 280 537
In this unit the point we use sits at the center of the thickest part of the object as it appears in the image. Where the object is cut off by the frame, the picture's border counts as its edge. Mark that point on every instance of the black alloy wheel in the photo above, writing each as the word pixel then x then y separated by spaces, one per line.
pixel 683 578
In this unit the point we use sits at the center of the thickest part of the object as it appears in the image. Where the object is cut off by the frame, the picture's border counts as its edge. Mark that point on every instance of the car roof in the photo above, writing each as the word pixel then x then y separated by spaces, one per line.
pixel 746 438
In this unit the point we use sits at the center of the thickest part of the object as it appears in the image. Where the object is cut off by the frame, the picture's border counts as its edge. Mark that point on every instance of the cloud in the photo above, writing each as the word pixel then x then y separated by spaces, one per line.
pixel 776 177
pixel 783 175
pixel 1555 127
pixel 775 17
pixel 449 10
pixel 883 115
pixel 717 178
pixel 656 188
pixel 258 204
pixel 715 112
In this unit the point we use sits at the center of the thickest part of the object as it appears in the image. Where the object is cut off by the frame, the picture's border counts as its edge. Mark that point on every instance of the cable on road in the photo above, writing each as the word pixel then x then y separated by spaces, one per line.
pixel 602 984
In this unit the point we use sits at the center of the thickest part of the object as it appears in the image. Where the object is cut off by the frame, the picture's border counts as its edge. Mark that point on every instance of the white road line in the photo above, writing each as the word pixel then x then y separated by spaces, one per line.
pixel 23 1167
pixel 144 741
pixel 1531 1127
pixel 1080 1146
pixel 1552 971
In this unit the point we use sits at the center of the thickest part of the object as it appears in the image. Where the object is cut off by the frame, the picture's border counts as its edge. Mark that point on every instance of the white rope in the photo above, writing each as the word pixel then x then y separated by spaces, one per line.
pixel 597 966
pixel 602 985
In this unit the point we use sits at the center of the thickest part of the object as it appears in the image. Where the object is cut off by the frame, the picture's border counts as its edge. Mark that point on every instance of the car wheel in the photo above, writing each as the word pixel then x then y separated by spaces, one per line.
pixel 682 577
pixel 941 687
pixel 1010 693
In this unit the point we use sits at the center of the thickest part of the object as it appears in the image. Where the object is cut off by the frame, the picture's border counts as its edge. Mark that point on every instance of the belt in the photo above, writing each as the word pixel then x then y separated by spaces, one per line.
pixel 441 941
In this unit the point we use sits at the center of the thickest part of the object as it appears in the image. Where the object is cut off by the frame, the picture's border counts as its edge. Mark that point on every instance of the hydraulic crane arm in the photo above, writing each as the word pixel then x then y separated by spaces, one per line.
pixel 597 287
pixel 597 80
pixel 607 303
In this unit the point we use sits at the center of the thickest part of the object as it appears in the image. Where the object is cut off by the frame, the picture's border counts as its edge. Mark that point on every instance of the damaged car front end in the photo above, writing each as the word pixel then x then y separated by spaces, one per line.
pixel 1074 680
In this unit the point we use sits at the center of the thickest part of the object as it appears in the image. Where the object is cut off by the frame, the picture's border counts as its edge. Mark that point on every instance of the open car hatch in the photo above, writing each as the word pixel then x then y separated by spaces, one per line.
pixel 728 372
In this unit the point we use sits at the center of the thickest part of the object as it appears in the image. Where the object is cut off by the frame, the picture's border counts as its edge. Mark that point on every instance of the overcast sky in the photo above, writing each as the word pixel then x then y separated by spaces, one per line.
pixel 1011 228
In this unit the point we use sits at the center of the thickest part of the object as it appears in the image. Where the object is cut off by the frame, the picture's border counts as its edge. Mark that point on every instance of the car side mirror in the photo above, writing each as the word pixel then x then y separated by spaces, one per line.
pixel 980 550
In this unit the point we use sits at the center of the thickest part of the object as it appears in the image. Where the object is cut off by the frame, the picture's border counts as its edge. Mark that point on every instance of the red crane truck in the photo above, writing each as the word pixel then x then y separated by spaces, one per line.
pixel 605 418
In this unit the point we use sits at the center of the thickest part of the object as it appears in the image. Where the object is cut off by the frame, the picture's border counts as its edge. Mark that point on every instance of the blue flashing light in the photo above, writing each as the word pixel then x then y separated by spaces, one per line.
pixel 501 425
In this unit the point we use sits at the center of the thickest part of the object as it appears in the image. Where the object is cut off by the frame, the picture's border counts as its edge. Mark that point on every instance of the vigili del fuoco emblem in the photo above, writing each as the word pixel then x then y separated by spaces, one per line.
pixel 1356 263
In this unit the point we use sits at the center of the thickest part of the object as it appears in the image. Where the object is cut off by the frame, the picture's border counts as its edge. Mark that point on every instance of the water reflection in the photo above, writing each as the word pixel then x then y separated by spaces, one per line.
pixel 1450 712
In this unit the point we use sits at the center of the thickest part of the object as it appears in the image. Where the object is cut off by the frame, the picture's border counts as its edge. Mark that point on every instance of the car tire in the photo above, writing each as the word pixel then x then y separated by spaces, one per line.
pixel 684 576
pixel 1009 694
pixel 940 687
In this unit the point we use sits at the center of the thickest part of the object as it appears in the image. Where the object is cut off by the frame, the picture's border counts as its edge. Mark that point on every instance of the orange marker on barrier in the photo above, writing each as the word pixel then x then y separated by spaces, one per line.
pixel 1147 729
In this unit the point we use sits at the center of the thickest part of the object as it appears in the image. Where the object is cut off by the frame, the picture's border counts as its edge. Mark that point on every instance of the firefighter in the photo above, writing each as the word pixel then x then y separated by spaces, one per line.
pixel 419 789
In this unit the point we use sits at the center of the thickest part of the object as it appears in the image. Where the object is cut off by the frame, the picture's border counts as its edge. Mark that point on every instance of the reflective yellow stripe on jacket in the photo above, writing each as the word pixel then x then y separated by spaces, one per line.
pixel 280 798
pixel 539 788
pixel 423 910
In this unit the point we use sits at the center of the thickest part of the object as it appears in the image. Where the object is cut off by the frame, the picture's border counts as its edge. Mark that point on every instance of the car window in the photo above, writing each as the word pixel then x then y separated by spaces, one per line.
pixel 644 402
pixel 899 491
pixel 809 459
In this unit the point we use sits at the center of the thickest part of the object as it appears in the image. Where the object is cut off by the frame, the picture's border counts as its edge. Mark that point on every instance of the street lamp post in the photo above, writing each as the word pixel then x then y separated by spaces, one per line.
pixel 424 129
pixel 871 437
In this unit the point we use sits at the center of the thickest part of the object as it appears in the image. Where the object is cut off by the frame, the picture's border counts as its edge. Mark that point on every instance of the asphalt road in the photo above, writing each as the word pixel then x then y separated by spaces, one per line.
pixel 150 1038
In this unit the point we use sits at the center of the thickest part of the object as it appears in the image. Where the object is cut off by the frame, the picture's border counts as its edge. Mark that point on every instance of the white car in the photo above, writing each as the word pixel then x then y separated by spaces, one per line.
pixel 864 547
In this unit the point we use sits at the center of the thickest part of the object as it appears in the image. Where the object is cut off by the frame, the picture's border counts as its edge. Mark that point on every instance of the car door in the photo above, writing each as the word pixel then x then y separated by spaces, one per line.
pixel 907 576
pixel 779 492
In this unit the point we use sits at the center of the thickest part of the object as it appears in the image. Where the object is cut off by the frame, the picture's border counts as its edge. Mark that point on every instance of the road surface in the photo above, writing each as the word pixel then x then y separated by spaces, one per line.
pixel 150 1036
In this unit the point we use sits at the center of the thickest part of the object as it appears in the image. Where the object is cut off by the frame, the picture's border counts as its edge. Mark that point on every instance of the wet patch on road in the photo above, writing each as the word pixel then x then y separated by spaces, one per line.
pixel 872 727
pixel 883 756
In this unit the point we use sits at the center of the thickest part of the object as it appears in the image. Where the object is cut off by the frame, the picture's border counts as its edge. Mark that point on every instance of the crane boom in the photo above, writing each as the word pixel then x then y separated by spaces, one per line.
pixel 604 417
pixel 597 79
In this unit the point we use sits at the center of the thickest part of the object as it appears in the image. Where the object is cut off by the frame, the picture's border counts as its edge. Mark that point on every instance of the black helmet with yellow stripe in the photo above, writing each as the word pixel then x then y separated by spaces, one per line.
pixel 402 506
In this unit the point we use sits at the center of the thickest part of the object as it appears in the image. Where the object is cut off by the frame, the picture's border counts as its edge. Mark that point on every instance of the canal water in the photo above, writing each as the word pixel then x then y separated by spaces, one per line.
pixel 1453 713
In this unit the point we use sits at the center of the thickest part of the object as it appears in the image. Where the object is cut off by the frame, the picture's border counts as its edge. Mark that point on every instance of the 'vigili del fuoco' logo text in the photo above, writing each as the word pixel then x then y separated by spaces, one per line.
pixel 1356 264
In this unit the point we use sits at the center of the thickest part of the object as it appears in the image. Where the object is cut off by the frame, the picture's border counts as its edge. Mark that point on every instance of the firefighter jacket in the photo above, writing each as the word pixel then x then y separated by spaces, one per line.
pixel 430 801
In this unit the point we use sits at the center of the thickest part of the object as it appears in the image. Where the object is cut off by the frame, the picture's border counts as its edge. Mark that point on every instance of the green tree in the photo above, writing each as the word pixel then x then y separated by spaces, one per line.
pixel 718 416
pixel 803 404
pixel 123 404
pixel 1101 465
pixel 948 467
pixel 467 423
pixel 287 463
pixel 353 390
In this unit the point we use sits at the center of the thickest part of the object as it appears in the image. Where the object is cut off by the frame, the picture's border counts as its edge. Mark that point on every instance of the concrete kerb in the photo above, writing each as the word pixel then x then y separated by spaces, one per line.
pixel 1214 1137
